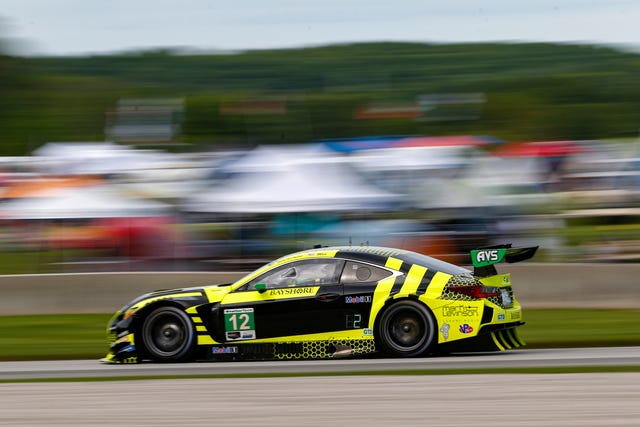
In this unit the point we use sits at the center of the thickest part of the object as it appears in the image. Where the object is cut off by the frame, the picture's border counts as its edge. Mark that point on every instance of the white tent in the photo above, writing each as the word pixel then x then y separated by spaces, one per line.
pixel 292 183
pixel 81 203
pixel 269 158
pixel 411 159
pixel 97 158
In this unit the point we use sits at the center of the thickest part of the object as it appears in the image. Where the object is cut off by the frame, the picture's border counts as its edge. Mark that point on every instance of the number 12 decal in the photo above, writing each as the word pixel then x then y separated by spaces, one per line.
pixel 244 319
pixel 239 324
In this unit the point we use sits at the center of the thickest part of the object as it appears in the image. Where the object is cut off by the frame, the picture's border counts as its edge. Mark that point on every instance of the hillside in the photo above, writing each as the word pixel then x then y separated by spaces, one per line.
pixel 527 91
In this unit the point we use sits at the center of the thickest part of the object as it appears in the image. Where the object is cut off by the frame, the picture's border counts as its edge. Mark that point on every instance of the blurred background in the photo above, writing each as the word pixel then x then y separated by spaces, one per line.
pixel 120 158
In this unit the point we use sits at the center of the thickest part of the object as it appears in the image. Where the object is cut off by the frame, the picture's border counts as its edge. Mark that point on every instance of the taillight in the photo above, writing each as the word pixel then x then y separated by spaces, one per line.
pixel 476 291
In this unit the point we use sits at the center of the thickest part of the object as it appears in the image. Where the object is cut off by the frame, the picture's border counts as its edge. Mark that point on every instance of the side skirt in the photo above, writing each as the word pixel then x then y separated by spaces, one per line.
pixel 289 351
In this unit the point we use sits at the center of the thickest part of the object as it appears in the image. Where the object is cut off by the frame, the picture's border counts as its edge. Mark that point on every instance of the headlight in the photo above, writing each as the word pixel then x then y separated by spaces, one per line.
pixel 128 313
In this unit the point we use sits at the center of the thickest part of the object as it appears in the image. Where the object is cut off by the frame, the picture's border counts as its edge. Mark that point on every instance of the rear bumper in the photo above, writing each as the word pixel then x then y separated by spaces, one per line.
pixel 497 337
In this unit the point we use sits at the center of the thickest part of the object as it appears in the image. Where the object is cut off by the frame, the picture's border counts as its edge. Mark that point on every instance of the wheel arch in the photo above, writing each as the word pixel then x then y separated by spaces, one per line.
pixel 393 301
pixel 141 315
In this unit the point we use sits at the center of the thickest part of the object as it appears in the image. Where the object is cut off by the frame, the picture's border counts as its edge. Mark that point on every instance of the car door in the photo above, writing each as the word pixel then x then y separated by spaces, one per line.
pixel 359 282
pixel 298 298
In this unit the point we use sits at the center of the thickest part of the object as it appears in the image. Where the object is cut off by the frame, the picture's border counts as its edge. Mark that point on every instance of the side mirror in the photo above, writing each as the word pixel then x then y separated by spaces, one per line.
pixel 260 287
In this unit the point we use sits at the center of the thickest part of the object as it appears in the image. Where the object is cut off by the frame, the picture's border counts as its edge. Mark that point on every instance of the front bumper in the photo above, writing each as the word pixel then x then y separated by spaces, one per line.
pixel 122 346
pixel 122 350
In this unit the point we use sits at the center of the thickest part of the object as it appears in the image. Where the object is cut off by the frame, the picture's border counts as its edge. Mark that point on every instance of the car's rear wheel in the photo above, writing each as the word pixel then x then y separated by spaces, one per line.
pixel 406 329
pixel 168 335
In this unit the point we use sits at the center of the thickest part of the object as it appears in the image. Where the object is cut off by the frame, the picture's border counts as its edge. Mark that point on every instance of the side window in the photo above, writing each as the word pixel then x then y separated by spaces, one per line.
pixel 314 272
pixel 355 272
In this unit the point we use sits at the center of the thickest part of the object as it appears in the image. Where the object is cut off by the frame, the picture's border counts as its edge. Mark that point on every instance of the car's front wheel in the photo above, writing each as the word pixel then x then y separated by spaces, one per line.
pixel 168 335
pixel 406 329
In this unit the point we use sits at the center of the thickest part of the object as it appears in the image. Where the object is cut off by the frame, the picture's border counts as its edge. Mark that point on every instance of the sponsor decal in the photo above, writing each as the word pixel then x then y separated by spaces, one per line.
pixel 224 350
pixel 445 331
pixel 484 257
pixel 516 315
pixel 237 335
pixel 238 310
pixel 358 299
pixel 501 316
pixel 367 332
pixel 459 311
pixel 465 329
pixel 291 291
pixel 233 335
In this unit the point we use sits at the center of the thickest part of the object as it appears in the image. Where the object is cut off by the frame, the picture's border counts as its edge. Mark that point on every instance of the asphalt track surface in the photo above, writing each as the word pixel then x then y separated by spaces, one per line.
pixel 523 358
pixel 514 400
pixel 496 400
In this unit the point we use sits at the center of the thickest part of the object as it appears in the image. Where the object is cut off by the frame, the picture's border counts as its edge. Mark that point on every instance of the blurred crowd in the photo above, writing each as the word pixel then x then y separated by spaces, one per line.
pixel 101 206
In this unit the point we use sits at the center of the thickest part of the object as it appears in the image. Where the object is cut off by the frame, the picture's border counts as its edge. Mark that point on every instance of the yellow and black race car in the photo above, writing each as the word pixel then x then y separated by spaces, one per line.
pixel 329 302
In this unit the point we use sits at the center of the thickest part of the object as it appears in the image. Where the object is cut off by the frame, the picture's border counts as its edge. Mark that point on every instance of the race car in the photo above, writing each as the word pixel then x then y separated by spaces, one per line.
pixel 329 302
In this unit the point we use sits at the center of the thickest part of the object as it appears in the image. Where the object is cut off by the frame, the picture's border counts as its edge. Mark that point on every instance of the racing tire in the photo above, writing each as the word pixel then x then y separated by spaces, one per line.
pixel 168 335
pixel 406 329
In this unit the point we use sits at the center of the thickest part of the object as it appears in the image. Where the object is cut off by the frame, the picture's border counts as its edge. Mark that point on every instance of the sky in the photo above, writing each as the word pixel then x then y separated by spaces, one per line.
pixel 80 27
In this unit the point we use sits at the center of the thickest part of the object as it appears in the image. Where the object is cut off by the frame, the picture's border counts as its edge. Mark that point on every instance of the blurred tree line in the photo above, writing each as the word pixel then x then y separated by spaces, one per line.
pixel 533 91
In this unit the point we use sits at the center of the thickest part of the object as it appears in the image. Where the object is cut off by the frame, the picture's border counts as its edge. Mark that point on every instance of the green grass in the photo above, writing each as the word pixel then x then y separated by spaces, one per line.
pixel 83 336
pixel 580 327
pixel 71 336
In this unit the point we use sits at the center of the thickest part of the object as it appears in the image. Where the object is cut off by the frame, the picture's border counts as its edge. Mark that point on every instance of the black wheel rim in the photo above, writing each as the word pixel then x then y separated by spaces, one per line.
pixel 406 330
pixel 166 334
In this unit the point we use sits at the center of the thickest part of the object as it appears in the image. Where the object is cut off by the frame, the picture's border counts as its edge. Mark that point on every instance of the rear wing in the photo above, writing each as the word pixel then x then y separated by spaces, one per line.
pixel 484 259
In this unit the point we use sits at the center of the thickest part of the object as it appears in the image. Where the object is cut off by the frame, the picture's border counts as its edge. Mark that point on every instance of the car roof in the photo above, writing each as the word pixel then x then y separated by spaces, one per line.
pixel 379 255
